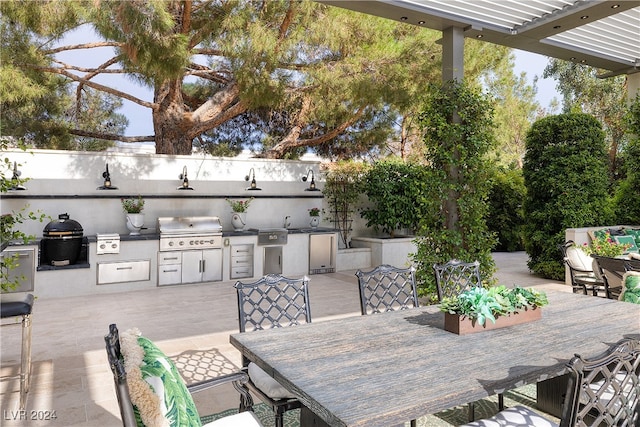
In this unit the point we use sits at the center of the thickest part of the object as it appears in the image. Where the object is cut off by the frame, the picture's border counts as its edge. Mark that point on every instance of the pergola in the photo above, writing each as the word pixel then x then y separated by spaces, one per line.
pixel 601 33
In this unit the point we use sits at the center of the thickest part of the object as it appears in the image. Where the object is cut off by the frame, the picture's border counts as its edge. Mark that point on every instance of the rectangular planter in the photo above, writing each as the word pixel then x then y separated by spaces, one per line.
pixel 463 325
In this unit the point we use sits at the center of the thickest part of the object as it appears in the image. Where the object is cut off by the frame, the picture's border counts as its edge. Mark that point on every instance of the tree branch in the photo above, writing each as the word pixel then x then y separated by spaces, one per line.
pixel 96 86
pixel 81 46
pixel 288 142
pixel 112 137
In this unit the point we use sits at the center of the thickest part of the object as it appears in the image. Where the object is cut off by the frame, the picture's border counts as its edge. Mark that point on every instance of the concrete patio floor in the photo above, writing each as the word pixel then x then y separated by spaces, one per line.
pixel 191 323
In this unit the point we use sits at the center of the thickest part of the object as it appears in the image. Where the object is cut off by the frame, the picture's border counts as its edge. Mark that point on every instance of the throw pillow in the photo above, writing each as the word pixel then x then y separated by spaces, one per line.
pixel 631 287
pixel 267 384
pixel 635 234
pixel 627 240
pixel 158 393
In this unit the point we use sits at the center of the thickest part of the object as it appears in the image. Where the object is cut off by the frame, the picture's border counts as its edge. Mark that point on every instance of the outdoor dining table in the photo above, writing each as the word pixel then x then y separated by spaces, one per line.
pixel 385 369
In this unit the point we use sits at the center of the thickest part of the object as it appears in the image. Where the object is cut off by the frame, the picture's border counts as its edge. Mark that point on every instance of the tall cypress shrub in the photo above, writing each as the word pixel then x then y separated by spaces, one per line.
pixel 627 199
pixel 566 176
pixel 457 124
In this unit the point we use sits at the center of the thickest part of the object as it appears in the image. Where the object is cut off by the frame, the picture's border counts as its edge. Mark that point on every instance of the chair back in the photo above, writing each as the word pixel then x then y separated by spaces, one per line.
pixel 576 258
pixel 112 342
pixel 387 288
pixel 611 270
pixel 604 391
pixel 455 276
pixel 632 265
pixel 273 301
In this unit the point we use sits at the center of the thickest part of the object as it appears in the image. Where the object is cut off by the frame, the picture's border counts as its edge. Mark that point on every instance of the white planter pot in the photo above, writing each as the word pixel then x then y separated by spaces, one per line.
pixel 239 220
pixel 135 223
pixel 315 221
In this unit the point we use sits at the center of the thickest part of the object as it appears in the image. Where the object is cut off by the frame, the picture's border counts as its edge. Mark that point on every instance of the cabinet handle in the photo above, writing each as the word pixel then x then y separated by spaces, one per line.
pixel 124 268
pixel 203 265
pixel 170 271
pixel 170 258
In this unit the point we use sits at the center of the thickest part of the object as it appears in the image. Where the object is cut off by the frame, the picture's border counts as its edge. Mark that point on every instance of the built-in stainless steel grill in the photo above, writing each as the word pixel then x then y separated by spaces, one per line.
pixel 190 232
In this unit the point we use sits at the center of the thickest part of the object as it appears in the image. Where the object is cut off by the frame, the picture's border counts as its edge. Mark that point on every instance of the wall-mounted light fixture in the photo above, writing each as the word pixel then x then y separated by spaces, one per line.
pixel 185 180
pixel 252 176
pixel 312 184
pixel 107 180
pixel 16 176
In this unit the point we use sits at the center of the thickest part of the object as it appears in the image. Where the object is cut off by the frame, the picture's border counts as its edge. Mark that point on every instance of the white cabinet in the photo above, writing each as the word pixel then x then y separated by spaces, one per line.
pixel 202 266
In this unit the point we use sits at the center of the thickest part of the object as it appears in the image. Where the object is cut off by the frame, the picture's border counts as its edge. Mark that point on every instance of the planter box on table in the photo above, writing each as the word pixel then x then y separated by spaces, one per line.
pixel 463 325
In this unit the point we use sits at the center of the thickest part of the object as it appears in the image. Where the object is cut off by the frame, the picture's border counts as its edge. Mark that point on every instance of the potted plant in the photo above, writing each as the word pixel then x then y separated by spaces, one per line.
pixel 314 213
pixel 239 213
pixel 133 207
pixel 469 311
pixel 605 246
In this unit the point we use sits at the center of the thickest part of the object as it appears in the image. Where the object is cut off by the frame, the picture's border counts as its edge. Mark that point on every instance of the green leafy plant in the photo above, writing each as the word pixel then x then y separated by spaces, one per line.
pixel 605 246
pixel 566 176
pixel 482 304
pixel 314 212
pixel 396 190
pixel 342 192
pixel 10 222
pixel 133 205
pixel 457 127
pixel 239 205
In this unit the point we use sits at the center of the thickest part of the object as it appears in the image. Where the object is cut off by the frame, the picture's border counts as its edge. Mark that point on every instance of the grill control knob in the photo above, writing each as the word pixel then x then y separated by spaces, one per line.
pixel 113 245
pixel 102 246
pixel 181 243
pixel 170 243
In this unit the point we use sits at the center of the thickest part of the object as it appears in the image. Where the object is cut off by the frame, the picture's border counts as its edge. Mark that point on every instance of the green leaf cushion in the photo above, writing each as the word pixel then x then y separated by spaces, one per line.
pixel 635 234
pixel 158 393
pixel 599 234
pixel 627 240
pixel 631 287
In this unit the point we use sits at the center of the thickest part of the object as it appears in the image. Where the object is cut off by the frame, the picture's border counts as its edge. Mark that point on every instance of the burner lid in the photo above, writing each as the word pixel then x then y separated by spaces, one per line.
pixel 189 225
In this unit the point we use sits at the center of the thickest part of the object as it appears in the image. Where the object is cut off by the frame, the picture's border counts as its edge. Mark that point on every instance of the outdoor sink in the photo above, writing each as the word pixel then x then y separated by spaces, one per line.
pixel 309 230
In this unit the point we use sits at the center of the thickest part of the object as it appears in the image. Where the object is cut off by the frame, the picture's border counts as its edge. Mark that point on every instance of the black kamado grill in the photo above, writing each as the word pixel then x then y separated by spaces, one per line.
pixel 62 241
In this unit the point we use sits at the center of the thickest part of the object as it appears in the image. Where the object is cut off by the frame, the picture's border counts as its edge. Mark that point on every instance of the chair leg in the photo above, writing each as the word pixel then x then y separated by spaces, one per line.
pixel 500 402
pixel 414 423
pixel 279 419
pixel 472 410
pixel 25 360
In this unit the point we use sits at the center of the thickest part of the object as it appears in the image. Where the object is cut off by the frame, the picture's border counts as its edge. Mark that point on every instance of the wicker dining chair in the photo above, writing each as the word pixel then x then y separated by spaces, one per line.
pixel 273 301
pixel 601 391
pixel 387 288
pixel 177 392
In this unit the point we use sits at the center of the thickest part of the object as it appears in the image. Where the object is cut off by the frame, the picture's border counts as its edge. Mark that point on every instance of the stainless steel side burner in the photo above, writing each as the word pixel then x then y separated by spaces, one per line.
pixel 107 243
pixel 185 233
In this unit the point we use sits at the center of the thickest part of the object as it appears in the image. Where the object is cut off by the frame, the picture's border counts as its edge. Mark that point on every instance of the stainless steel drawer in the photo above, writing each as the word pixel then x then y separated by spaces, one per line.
pixel 126 271
pixel 169 274
pixel 169 258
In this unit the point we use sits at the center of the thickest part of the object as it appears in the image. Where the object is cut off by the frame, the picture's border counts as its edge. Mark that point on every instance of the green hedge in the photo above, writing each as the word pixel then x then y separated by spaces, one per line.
pixel 566 177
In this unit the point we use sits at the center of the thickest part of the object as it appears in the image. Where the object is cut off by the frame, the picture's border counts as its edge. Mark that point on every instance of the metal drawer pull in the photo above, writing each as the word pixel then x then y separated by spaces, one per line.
pixel 124 268
pixel 170 271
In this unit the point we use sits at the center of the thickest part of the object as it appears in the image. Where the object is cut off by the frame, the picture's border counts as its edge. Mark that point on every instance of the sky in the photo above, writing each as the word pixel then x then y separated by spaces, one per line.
pixel 140 122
